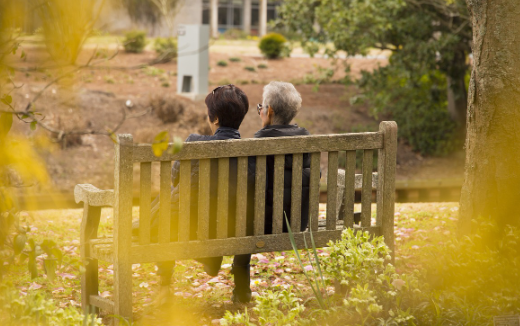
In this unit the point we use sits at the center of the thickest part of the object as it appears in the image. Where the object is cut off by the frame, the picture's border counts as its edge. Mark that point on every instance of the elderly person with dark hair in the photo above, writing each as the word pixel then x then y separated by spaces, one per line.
pixel 227 105
pixel 281 103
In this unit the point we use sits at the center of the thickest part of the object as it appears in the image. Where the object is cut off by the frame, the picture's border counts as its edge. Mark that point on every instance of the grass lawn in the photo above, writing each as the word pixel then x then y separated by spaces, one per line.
pixel 199 299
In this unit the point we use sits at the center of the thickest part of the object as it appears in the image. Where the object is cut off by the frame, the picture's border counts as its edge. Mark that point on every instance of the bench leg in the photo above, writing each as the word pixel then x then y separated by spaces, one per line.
pixel 89 279
pixel 123 290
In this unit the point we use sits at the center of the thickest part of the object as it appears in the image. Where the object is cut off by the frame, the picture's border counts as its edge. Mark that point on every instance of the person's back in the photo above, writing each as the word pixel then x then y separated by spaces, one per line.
pixel 227 105
pixel 281 102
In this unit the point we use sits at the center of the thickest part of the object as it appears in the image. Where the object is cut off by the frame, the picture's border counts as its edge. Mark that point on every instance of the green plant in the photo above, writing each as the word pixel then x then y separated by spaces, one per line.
pixel 273 45
pixel 272 308
pixel 234 34
pixel 165 84
pixel 235 59
pixel 262 66
pixel 166 48
pixel 35 309
pixel 135 41
pixel 250 68
pixel 418 103
pixel 222 63
pixel 109 79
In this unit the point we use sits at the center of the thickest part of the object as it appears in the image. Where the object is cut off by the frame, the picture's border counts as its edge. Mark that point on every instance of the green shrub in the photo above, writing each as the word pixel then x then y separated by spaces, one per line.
pixel 250 68
pixel 273 45
pixel 35 309
pixel 417 102
pixel 262 66
pixel 135 41
pixel 235 59
pixel 222 63
pixel 166 48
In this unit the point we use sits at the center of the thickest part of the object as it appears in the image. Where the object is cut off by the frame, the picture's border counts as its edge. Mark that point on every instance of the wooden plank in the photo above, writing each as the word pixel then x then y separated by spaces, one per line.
pixel 222 198
pixel 264 146
pixel 387 162
pixel 278 186
pixel 164 202
pixel 204 195
pixel 102 303
pixel 296 192
pixel 145 188
pixel 350 192
pixel 260 195
pixel 332 189
pixel 233 246
pixel 184 201
pixel 241 210
pixel 88 231
pixel 123 184
pixel 314 191
pixel 91 195
pixel 366 191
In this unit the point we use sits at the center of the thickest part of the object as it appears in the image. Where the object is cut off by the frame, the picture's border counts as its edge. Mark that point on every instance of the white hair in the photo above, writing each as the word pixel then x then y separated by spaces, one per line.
pixel 284 99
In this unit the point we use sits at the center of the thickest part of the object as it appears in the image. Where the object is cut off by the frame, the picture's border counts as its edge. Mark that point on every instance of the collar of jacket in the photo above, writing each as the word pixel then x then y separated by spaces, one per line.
pixel 230 133
pixel 281 131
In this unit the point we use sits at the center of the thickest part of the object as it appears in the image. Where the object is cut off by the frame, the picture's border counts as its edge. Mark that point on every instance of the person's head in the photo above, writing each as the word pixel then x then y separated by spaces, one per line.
pixel 281 102
pixel 227 107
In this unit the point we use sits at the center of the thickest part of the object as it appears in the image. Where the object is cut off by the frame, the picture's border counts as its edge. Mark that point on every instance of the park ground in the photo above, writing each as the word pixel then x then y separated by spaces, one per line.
pixel 95 97
pixel 198 299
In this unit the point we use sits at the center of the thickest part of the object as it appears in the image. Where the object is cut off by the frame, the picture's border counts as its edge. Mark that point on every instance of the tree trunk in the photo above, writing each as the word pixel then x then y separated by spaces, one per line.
pixel 492 174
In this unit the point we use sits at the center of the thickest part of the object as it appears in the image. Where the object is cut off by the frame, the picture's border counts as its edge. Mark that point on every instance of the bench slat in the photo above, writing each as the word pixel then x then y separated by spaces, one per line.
pixel 102 303
pixel 145 202
pixel 260 176
pixel 204 199
pixel 350 191
pixel 296 192
pixel 184 201
pixel 263 146
pixel 366 191
pixel 233 246
pixel 241 209
pixel 332 190
pixel 314 191
pixel 164 202
pixel 222 198
pixel 278 186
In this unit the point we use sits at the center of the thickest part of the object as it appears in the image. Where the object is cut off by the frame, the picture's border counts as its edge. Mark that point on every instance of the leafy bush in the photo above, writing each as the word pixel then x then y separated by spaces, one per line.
pixel 250 68
pixel 235 59
pixel 273 46
pixel 135 41
pixel 417 102
pixel 262 66
pixel 222 63
pixel 272 308
pixel 35 309
pixel 166 48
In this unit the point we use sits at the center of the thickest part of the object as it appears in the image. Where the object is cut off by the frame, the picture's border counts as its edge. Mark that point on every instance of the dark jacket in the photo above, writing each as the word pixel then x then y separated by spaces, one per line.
pixel 284 131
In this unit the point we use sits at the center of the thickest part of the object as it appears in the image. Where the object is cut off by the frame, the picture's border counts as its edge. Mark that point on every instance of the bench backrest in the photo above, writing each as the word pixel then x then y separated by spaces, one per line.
pixel 128 154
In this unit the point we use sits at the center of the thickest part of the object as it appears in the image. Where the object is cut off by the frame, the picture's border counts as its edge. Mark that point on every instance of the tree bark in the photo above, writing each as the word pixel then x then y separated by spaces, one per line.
pixel 492 173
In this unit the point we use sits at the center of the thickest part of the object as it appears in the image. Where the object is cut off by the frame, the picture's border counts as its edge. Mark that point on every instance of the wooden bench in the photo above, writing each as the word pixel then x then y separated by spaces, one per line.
pixel 122 250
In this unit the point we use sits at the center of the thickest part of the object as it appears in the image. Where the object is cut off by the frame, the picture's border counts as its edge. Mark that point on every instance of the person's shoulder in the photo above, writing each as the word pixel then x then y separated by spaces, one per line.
pixel 197 137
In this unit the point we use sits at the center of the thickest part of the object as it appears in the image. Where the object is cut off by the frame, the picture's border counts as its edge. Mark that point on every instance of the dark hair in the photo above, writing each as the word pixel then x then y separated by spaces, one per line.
pixel 229 104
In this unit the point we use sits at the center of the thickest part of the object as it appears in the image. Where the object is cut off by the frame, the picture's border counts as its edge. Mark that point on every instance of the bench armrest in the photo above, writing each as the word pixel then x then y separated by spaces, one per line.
pixel 93 196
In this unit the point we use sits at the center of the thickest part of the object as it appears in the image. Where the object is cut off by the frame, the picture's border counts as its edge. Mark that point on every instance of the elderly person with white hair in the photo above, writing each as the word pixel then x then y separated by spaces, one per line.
pixel 281 103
